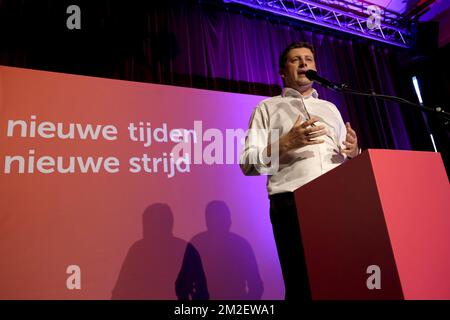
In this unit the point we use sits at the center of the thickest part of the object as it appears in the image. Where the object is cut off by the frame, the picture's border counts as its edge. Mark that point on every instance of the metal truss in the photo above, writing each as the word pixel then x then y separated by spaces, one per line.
pixel 351 16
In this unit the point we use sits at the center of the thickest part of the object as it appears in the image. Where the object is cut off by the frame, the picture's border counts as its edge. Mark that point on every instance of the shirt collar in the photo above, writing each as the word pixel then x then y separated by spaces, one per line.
pixel 290 92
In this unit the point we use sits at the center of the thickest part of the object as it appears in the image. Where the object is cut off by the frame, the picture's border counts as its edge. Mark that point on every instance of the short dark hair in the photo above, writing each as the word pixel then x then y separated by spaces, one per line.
pixel 283 57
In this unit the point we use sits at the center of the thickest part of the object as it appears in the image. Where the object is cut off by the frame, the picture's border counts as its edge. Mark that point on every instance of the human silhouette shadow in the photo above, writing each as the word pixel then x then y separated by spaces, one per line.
pixel 153 263
pixel 228 259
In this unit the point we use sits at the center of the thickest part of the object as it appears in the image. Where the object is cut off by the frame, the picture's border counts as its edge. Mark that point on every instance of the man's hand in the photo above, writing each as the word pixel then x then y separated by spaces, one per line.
pixel 351 142
pixel 302 134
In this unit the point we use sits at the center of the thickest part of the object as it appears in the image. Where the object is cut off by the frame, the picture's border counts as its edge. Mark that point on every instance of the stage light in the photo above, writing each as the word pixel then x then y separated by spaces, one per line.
pixel 419 97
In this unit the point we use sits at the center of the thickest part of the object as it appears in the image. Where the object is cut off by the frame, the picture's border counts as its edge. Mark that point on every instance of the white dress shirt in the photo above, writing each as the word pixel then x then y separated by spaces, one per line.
pixel 277 115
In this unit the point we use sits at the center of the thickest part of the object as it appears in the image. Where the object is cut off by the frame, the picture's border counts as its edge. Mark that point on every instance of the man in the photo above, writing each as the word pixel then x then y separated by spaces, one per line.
pixel 313 139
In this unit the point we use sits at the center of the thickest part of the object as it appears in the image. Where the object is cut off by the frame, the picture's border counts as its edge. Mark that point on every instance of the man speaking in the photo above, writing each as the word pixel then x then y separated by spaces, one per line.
pixel 294 138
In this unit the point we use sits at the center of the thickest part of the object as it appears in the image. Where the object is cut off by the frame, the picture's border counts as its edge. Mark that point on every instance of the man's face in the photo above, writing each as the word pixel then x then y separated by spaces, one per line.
pixel 298 61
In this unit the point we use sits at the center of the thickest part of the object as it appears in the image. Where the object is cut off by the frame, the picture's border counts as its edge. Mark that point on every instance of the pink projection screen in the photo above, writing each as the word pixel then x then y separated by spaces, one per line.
pixel 96 203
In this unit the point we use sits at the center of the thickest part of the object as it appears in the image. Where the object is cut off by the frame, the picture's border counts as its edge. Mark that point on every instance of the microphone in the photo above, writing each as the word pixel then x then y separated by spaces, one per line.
pixel 313 76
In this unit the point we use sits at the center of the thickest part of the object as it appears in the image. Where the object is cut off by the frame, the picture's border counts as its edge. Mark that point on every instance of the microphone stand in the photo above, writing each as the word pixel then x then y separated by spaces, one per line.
pixel 440 112
pixel 437 111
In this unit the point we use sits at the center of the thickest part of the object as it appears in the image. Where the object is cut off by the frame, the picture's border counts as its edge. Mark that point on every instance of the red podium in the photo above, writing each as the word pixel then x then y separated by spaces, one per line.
pixel 384 208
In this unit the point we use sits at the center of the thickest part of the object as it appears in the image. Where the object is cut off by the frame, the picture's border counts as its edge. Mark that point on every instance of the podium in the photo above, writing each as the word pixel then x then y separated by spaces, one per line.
pixel 382 216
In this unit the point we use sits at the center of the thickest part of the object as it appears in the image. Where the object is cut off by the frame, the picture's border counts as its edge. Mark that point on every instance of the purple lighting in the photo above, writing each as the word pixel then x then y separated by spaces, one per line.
pixel 351 16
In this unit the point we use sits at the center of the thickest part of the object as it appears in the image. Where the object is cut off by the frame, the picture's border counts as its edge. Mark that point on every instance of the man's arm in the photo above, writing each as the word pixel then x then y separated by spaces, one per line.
pixel 302 134
pixel 251 159
pixel 263 148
